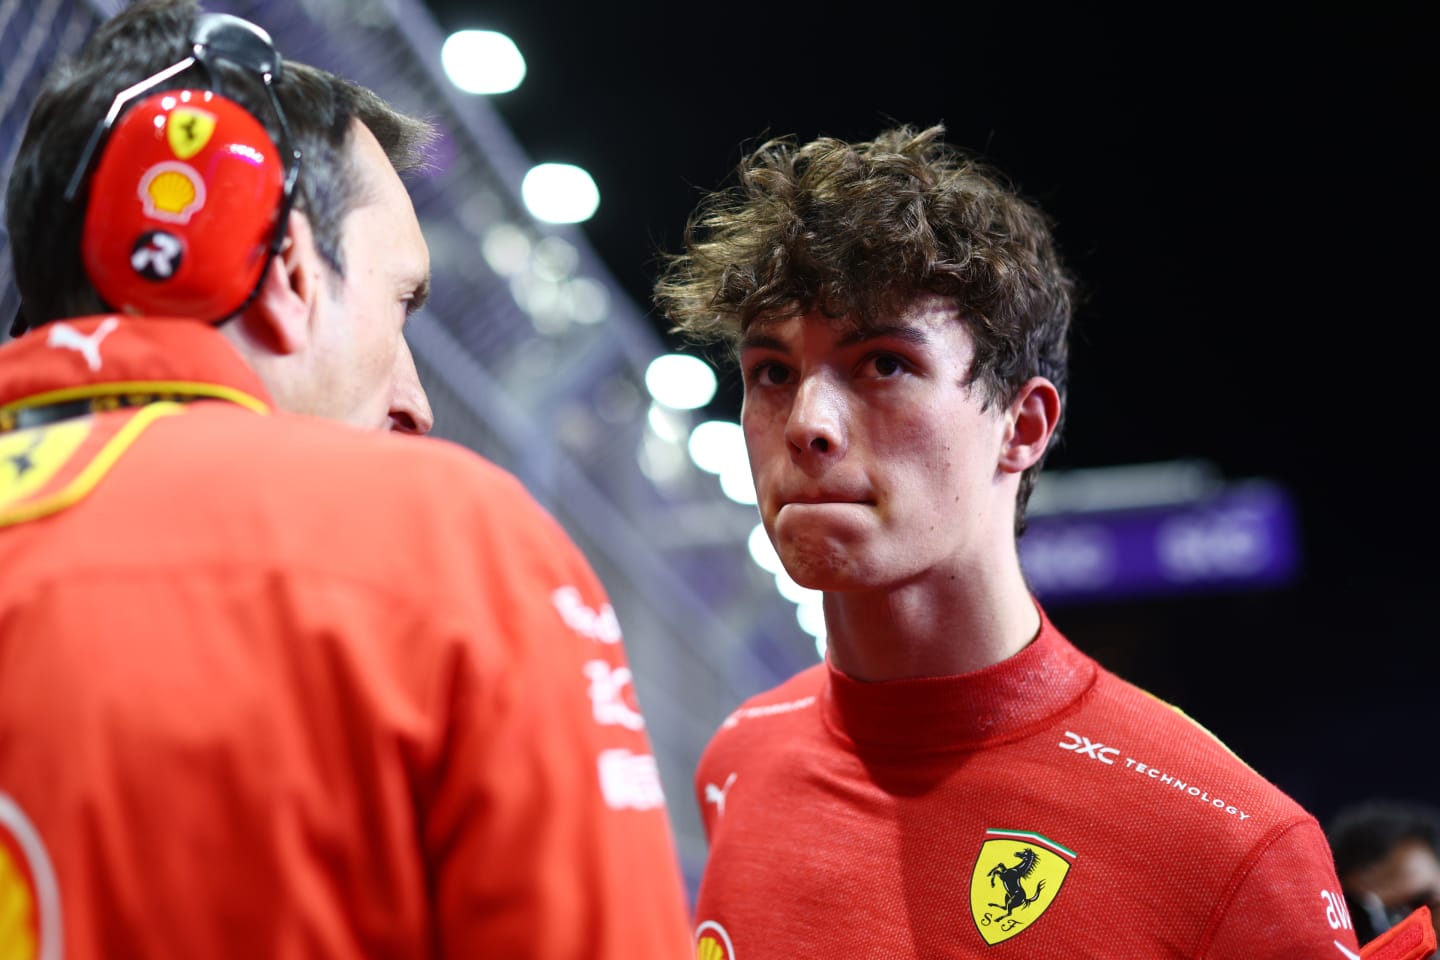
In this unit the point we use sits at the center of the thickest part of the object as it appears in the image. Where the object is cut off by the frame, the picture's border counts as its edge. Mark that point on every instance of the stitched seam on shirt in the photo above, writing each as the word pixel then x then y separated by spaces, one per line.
pixel 1237 879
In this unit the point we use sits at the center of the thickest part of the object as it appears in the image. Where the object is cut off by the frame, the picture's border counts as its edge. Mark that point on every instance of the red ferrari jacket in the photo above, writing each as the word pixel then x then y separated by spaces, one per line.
pixel 271 686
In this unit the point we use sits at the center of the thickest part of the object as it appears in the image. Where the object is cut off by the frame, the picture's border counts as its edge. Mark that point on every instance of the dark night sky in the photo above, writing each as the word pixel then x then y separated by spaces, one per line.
pixel 1241 195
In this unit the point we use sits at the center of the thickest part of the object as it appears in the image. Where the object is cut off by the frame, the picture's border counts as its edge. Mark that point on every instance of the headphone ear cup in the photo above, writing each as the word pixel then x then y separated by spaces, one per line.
pixel 182 207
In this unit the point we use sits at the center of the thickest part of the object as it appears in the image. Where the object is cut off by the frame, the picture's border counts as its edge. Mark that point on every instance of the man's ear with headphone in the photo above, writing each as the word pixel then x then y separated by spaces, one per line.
pixel 278 316
pixel 188 196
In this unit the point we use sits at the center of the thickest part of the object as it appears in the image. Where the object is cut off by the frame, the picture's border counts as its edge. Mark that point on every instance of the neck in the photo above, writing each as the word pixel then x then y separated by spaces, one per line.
pixel 939 625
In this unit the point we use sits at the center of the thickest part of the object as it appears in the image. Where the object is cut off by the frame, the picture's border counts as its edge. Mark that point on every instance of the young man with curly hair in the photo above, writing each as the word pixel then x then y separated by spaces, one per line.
pixel 956 779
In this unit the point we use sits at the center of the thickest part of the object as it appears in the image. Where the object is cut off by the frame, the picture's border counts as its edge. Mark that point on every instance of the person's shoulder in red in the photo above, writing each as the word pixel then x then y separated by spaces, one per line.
pixel 542 712
pixel 355 502
pixel 1207 807
pixel 454 671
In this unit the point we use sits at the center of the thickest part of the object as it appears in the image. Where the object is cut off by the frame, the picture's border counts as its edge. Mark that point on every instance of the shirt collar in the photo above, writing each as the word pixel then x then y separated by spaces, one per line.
pixel 1004 700
pixel 112 356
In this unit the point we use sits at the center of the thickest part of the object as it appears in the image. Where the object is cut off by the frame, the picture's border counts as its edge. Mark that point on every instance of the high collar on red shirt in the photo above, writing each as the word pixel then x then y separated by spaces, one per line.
pixel 966 711
pixel 111 355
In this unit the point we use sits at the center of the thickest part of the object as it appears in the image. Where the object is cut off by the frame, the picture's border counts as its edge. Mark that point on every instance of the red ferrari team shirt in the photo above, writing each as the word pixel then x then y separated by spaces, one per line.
pixel 1040 808
pixel 273 687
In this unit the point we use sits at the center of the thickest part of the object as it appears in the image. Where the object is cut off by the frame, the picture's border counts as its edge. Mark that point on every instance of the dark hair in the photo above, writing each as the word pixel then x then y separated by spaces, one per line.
pixel 856 230
pixel 1365 834
pixel 135 44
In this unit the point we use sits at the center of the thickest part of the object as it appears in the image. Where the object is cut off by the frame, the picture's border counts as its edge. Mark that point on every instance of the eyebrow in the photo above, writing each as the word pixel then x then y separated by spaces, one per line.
pixel 762 341
pixel 899 331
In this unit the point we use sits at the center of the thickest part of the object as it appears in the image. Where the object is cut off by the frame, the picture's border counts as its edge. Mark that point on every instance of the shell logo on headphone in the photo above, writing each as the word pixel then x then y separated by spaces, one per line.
pixel 172 191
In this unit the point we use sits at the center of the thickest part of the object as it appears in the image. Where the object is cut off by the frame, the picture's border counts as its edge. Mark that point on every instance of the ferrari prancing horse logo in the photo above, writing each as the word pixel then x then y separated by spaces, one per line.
pixel 189 130
pixel 1017 876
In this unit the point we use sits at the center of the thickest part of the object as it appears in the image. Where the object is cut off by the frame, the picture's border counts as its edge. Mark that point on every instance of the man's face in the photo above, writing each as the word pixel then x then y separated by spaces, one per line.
pixel 1407 878
pixel 364 373
pixel 874 464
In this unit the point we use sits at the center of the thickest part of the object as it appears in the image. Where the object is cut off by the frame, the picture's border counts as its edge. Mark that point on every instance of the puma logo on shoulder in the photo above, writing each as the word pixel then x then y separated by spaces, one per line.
pixel 65 337
pixel 716 795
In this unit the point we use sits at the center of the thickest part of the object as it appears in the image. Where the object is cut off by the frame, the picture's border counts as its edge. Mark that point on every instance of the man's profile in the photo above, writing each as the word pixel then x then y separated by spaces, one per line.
pixel 279 675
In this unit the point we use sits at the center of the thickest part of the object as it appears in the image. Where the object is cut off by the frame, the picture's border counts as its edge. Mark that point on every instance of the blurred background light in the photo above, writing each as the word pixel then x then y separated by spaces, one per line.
pixel 554 258
pixel 589 299
pixel 736 481
pixel 662 462
pixel 811 617
pixel 482 61
pixel 762 551
pixel 680 381
pixel 506 248
pixel 560 193
pixel 717 444
pixel 666 423
pixel 792 591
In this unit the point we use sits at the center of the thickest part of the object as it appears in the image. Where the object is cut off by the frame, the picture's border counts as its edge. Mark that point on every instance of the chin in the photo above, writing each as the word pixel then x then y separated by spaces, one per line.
pixel 828 570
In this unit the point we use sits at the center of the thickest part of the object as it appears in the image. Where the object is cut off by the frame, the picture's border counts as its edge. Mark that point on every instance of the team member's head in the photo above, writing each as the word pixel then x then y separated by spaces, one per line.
pixel 323 328
pixel 1387 856
pixel 901 317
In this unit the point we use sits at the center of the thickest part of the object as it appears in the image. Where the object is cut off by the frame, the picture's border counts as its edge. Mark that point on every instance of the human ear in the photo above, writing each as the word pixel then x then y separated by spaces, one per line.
pixel 279 316
pixel 1030 423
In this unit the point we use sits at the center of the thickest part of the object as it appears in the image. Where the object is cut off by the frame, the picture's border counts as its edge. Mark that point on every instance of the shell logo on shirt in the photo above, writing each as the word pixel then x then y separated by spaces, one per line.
pixel 29 898
pixel 712 942
pixel 1018 875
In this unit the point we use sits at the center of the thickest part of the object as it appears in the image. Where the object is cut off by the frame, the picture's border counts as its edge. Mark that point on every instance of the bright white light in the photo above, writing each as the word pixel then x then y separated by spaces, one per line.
pixel 737 483
pixel 793 592
pixel 811 617
pixel 810 614
pixel 560 193
pixel 762 551
pixel 680 381
pixel 482 61
pixel 716 443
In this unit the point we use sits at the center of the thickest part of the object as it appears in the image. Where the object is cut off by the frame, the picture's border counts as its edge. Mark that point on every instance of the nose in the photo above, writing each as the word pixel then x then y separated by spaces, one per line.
pixel 816 426
pixel 409 405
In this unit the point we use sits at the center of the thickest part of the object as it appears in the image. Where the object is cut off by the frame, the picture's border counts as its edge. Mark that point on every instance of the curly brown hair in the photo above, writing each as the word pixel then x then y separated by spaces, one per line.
pixel 855 230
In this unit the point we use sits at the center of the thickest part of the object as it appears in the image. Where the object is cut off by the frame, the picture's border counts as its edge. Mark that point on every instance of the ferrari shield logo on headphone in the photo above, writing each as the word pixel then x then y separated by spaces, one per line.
pixel 188 130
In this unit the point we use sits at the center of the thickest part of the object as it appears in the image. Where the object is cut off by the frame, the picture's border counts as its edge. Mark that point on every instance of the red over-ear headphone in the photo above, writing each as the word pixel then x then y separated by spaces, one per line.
pixel 189 196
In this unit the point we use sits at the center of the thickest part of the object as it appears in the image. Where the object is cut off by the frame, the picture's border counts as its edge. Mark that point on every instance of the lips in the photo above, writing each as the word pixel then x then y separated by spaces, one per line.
pixel 825 498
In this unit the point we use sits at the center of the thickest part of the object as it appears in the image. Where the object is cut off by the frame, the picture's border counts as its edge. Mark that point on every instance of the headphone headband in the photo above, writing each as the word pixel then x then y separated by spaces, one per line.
pixel 230 39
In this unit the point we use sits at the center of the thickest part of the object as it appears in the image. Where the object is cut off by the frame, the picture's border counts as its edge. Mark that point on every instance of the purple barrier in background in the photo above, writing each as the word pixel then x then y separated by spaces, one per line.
pixel 1244 536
